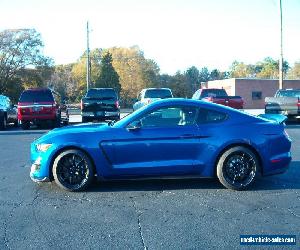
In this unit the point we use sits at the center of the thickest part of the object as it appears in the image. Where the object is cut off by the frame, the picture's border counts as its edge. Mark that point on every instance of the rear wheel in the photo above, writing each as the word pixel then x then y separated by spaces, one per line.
pixel 73 170
pixel 237 168
pixel 3 122
pixel 25 125
pixel 85 119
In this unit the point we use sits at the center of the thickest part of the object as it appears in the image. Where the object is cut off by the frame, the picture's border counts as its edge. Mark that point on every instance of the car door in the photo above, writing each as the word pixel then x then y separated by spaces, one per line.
pixel 162 142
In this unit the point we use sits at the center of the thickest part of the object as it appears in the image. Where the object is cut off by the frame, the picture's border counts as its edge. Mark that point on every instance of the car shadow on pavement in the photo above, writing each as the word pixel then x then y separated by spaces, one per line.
pixel 287 181
pixel 155 185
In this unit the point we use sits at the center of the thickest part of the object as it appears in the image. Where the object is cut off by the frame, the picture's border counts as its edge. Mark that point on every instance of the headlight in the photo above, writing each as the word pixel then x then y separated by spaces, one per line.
pixel 43 147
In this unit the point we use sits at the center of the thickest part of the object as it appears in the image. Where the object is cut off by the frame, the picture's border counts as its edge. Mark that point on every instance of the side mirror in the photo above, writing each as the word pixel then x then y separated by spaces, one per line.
pixel 136 125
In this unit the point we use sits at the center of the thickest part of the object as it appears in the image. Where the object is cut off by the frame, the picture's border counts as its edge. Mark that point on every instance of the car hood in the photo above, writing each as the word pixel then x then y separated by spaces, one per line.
pixel 74 129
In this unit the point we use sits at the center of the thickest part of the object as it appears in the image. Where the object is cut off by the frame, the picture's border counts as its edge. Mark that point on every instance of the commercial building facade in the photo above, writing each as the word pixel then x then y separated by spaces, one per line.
pixel 253 91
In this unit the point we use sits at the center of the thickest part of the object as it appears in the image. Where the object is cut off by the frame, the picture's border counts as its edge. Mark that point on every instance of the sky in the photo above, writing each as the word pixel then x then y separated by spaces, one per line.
pixel 176 34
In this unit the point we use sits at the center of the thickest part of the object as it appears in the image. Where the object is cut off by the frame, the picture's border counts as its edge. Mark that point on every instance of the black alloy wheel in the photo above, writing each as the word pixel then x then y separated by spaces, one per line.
pixel 73 170
pixel 237 168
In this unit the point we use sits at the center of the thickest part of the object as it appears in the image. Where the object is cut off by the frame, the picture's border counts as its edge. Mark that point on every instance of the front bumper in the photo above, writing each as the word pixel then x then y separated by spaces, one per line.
pixel 35 171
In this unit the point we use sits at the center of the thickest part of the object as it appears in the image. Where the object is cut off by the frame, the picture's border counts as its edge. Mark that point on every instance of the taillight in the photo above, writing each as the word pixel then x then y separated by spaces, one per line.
pixel 298 103
pixel 117 104
pixel 81 105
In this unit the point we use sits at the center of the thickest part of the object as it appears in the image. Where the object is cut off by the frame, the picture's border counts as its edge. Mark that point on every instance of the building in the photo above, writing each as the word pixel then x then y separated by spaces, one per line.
pixel 253 91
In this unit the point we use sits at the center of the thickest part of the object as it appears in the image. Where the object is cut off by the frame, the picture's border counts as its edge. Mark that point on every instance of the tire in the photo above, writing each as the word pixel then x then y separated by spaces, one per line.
pixel 3 122
pixel 85 119
pixel 25 125
pixel 237 168
pixel 56 122
pixel 73 170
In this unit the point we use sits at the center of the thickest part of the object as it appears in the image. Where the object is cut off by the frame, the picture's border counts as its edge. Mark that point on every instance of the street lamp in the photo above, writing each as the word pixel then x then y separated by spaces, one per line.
pixel 281 50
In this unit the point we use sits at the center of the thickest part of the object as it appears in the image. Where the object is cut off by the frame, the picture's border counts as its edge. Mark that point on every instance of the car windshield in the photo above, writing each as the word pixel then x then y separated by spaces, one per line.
pixel 102 94
pixel 288 93
pixel 36 96
pixel 158 93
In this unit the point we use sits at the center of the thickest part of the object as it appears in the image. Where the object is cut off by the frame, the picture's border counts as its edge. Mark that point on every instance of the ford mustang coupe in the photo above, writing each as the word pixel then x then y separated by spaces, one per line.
pixel 168 138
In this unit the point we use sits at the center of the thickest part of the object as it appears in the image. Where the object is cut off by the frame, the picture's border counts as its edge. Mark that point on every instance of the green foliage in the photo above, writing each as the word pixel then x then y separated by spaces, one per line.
pixel 108 77
pixel 266 69
pixel 20 50
pixel 192 75
pixel 22 63
pixel 294 72
pixel 135 71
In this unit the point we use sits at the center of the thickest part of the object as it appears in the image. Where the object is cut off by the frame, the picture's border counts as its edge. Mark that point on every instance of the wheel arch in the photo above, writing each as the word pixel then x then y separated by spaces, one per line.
pixel 69 148
pixel 239 144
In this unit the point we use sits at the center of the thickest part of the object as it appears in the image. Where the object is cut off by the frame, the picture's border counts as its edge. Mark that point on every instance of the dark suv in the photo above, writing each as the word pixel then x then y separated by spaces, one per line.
pixel 8 112
pixel 41 106
pixel 100 104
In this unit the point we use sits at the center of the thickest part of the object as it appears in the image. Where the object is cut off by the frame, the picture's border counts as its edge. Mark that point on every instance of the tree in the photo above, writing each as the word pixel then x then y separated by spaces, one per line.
pixel 63 82
pixel 108 78
pixel 193 79
pixel 204 74
pixel 19 50
pixel 135 71
pixel 241 70
pixel 215 74
pixel 294 72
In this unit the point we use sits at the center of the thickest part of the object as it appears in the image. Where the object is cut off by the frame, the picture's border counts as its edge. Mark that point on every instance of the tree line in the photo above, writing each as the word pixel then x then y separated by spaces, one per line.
pixel 23 65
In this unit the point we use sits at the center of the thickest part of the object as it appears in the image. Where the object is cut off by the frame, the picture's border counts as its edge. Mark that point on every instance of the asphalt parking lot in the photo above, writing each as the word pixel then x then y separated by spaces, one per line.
pixel 156 214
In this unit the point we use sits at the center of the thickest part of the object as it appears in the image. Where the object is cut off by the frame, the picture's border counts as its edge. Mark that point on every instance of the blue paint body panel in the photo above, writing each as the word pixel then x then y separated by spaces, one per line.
pixel 167 151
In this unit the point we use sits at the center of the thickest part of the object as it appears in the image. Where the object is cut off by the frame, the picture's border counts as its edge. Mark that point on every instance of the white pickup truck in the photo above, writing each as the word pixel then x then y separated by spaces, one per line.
pixel 147 96
pixel 286 102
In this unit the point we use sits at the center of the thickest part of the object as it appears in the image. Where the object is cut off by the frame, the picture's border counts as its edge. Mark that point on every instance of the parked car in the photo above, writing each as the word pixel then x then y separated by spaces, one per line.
pixel 100 104
pixel 219 96
pixel 286 102
pixel 8 112
pixel 147 96
pixel 41 106
pixel 167 138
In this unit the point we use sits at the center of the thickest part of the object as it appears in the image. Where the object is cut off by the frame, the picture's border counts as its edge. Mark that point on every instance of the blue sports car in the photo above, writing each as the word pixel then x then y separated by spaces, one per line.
pixel 168 138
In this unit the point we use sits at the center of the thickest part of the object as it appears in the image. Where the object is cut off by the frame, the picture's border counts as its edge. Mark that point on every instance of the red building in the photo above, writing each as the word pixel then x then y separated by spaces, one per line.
pixel 253 91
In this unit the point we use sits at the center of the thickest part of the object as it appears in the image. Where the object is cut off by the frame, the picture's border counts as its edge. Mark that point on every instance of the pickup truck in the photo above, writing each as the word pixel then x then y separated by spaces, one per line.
pixel 147 96
pixel 219 96
pixel 285 101
pixel 100 104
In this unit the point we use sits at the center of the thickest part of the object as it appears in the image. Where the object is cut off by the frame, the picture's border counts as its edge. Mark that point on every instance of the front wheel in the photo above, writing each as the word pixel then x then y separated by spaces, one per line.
pixel 73 170
pixel 237 168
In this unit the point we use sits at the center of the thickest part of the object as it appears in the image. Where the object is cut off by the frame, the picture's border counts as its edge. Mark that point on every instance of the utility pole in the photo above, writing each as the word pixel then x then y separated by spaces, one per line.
pixel 281 50
pixel 88 68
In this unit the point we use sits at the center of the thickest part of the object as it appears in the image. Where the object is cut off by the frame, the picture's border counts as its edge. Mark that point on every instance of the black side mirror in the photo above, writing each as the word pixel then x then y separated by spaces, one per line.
pixel 136 125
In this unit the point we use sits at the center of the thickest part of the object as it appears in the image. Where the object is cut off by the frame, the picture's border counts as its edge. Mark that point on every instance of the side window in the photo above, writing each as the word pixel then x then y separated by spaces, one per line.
pixel 210 116
pixel 170 117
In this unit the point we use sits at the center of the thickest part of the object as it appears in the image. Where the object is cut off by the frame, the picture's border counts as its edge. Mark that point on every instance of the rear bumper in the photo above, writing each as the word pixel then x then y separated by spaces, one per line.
pixel 101 114
pixel 278 164
pixel 37 117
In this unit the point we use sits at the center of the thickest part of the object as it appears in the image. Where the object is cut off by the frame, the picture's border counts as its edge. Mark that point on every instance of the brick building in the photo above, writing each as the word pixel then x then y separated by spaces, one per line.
pixel 253 91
